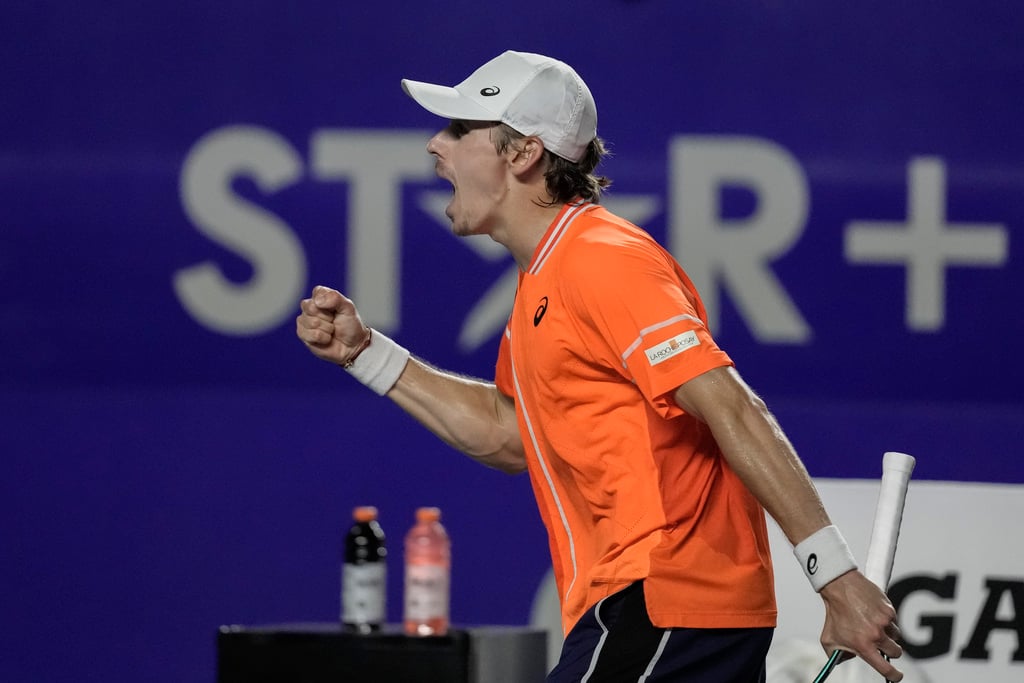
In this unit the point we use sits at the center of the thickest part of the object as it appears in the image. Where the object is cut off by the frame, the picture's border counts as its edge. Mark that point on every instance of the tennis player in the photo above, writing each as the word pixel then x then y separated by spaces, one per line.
pixel 651 461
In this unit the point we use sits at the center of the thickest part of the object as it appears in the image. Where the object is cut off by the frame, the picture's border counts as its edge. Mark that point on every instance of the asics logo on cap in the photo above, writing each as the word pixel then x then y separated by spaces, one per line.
pixel 490 91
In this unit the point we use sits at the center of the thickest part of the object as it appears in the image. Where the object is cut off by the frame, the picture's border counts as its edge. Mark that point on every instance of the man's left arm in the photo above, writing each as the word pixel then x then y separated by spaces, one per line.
pixel 859 618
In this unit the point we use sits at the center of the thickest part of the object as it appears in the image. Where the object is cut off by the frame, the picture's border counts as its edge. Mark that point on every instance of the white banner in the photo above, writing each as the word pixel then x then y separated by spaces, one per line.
pixel 958 582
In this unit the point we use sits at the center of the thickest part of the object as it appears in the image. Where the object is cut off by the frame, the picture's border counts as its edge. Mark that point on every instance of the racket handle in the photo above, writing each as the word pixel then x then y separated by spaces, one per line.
pixel 896 471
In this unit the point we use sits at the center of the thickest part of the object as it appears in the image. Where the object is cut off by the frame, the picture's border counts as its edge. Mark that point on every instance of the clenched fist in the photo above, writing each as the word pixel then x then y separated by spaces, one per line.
pixel 330 327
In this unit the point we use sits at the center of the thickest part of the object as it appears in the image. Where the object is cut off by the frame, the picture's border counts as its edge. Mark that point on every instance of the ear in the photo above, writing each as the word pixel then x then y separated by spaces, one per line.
pixel 528 156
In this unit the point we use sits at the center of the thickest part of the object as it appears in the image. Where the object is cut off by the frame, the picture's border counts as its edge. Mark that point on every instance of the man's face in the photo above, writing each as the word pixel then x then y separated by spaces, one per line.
pixel 466 157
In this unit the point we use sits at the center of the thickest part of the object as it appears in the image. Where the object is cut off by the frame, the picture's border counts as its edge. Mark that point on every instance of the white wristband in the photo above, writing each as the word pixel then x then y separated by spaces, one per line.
pixel 824 556
pixel 380 364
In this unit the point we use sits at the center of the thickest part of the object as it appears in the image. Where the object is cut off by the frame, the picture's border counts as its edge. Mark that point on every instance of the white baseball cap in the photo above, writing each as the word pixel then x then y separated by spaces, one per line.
pixel 534 94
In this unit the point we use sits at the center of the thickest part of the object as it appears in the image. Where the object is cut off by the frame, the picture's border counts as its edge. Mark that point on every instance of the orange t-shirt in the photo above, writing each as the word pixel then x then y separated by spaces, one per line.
pixel 605 327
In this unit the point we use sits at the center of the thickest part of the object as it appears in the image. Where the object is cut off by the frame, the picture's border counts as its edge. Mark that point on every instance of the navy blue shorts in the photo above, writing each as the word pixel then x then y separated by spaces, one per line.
pixel 616 642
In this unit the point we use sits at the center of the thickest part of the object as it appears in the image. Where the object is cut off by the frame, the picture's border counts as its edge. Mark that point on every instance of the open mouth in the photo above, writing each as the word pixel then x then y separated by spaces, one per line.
pixel 442 174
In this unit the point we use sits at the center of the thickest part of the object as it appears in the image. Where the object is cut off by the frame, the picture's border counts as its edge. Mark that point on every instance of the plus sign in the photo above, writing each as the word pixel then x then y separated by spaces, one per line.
pixel 927 244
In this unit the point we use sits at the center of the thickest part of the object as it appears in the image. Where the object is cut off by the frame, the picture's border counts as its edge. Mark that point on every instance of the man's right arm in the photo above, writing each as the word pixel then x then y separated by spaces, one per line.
pixel 469 414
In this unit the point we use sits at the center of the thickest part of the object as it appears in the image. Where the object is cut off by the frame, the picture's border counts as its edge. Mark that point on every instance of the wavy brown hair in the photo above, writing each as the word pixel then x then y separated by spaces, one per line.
pixel 565 180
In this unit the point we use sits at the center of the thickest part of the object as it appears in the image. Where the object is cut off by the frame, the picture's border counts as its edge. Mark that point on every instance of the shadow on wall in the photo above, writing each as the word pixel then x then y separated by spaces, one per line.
pixel 546 614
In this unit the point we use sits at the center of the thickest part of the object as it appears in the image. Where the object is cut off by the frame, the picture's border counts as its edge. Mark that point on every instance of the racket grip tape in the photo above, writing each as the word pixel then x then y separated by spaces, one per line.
pixel 896 471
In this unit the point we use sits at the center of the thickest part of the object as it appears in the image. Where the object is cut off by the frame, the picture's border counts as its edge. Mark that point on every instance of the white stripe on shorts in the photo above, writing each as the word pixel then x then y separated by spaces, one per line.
pixel 600 642
pixel 656 657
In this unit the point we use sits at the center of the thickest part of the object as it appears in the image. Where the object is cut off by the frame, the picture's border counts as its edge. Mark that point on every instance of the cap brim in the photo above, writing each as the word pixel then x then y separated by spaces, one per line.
pixel 446 101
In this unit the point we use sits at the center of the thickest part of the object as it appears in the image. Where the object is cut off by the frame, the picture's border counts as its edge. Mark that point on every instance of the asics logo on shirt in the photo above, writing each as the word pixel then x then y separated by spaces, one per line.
pixel 490 91
pixel 541 310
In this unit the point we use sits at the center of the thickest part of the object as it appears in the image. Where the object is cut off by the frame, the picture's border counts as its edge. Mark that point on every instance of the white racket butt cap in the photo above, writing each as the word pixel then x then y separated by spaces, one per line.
pixel 899 462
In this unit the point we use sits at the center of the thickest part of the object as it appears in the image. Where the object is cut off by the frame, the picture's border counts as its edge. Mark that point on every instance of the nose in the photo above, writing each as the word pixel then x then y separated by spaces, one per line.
pixel 434 144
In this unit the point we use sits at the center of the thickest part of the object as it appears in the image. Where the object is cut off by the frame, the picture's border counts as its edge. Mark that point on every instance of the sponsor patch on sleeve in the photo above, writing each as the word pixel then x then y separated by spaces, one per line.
pixel 676 345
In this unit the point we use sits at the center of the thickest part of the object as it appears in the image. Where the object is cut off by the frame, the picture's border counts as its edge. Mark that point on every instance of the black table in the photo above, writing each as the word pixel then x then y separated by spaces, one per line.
pixel 322 653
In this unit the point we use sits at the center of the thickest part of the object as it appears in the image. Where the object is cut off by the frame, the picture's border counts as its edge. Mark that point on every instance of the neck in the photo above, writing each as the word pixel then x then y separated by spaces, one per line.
pixel 523 228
